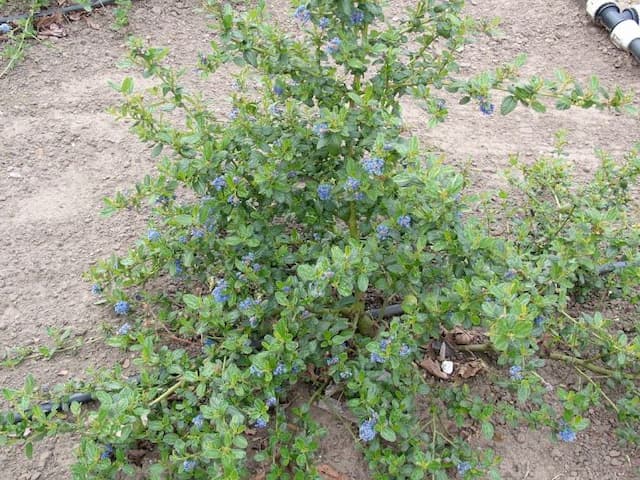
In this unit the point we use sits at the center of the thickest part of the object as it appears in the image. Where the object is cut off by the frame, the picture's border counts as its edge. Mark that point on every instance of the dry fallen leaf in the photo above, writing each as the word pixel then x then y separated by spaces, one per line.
pixel 433 368
pixel 461 336
pixel 471 369
pixel 329 473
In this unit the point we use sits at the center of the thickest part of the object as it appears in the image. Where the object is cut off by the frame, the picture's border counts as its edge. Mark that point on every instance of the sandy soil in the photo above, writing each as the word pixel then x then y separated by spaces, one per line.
pixel 61 153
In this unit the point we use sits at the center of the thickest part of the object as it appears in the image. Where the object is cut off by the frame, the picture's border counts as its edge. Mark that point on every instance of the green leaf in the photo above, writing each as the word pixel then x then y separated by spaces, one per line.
pixel 306 272
pixel 28 450
pixel 487 430
pixel 388 434
pixel 363 282
pixel 508 104
pixel 184 220
pixel 191 301
pixel 127 86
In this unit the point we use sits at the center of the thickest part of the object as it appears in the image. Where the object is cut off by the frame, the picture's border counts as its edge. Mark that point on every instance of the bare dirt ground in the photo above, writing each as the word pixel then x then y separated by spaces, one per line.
pixel 61 153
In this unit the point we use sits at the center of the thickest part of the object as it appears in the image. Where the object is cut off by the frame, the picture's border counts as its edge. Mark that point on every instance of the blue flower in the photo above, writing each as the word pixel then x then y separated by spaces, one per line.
pixel 404 221
pixel 280 369
pixel 233 114
pixel 352 184
pixel 96 289
pixel 357 17
pixel 384 343
pixel 219 183
pixel 367 431
pixel 302 14
pixel 233 200
pixel 324 192
pixel 332 360
pixel 178 266
pixel 376 358
pixel 255 371
pixel 124 329
pixel 153 235
pixel 539 321
pixel 372 165
pixel 198 421
pixel 463 467
pixel 197 233
pixel 107 453
pixel 382 232
pixel 346 374
pixel 5 28
pixel 209 342
pixel 510 274
pixel 271 402
pixel 320 129
pixel 567 435
pixel 323 22
pixel 122 307
pixel 405 350
pixel 515 372
pixel 218 292
pixel 261 423
pixel 333 46
pixel 189 465
pixel 246 304
pixel 278 90
pixel 276 110
pixel 485 107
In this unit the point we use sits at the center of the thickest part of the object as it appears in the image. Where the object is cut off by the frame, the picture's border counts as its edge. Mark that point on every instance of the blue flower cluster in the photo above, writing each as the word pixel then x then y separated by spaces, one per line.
pixel 197 233
pixel 271 402
pixel 463 467
pixel 179 267
pixel 352 184
pixel 219 183
pixel 122 307
pixel 280 369
pixel 383 232
pixel 332 361
pixel 302 14
pixel 486 107
pixel 278 90
pixel 333 46
pixel 515 372
pixel 124 329
pixel 246 304
pixel 5 28
pixel 405 350
pixel 255 371
pixel 218 292
pixel 107 453
pixel 346 374
pixel 373 165
pixel 189 465
pixel 324 192
pixel 367 430
pixel 198 421
pixel 96 289
pixel 153 235
pixel 324 23
pixel 376 358
pixel 357 17
pixel 539 321
pixel 567 435
pixel 233 114
pixel 320 129
pixel 404 221
pixel 261 423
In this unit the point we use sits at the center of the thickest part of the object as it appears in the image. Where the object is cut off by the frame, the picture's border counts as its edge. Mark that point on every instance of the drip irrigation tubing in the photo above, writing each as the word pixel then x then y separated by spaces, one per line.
pixel 376 313
pixel 53 11
pixel 622 24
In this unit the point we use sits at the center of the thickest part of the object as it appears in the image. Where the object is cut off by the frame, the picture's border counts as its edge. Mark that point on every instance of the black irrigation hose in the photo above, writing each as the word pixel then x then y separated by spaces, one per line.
pixel 53 11
pixel 622 24
pixel 390 311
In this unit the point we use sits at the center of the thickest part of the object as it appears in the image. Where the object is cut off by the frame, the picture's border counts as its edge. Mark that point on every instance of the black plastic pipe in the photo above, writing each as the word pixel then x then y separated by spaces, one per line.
pixel 53 11
pixel 622 24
